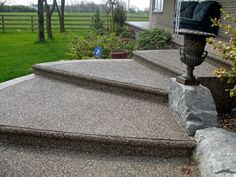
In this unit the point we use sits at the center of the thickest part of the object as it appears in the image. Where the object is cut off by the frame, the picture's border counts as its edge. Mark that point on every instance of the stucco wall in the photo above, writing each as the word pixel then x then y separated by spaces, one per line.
pixel 164 19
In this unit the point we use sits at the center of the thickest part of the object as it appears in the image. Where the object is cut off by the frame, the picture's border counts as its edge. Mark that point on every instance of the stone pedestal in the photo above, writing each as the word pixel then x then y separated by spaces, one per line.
pixel 193 105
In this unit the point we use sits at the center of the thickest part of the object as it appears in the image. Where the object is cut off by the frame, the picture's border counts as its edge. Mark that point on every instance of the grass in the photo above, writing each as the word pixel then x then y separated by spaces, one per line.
pixel 19 51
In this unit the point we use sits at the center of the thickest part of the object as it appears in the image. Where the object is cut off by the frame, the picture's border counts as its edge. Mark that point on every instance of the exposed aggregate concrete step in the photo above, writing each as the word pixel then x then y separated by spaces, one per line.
pixel 22 159
pixel 103 121
pixel 169 60
pixel 125 75
pixel 46 108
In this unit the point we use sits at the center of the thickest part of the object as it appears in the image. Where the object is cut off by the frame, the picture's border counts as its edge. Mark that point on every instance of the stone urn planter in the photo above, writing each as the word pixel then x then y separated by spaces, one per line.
pixel 193 20
pixel 119 54
pixel 192 55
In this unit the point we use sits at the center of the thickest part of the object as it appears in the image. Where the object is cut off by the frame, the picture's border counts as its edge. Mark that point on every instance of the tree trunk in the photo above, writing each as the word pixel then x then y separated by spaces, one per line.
pixel 61 15
pixel 41 37
pixel 49 26
pixel 49 13
pixel 62 24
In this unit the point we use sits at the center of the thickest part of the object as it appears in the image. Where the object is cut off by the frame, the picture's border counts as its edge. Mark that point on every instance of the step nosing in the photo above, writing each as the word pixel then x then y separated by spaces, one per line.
pixel 25 131
pixel 109 82
pixel 160 64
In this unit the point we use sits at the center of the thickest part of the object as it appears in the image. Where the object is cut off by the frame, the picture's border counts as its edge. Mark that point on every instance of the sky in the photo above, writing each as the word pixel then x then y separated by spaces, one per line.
pixel 141 4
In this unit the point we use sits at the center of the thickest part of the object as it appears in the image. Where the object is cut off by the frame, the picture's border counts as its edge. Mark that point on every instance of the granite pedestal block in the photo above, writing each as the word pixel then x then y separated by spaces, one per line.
pixel 193 105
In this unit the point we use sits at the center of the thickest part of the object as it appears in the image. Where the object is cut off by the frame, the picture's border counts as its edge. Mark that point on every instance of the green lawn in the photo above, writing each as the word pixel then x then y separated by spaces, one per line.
pixel 19 51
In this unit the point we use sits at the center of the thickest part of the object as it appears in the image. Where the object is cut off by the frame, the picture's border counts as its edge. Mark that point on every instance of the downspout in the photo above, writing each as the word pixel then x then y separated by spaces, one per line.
pixel 150 13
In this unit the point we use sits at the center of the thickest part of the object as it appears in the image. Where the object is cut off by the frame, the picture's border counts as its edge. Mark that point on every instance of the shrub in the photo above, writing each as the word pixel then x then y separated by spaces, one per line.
pixel 154 39
pixel 127 33
pixel 130 46
pixel 227 50
pixel 81 48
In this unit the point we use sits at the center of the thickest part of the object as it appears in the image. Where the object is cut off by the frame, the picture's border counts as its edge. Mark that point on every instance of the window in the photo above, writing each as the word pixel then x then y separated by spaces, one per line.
pixel 158 5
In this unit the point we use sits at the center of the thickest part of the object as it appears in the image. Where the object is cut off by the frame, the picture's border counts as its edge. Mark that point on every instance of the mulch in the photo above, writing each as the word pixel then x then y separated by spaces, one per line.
pixel 227 122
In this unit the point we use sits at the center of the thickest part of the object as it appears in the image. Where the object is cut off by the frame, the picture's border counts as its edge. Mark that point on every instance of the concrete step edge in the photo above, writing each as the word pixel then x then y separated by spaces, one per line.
pixel 99 143
pixel 146 61
pixel 96 82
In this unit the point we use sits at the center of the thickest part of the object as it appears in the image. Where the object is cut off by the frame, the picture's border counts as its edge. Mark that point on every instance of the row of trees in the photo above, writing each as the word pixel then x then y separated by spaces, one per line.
pixel 85 7
pixel 49 9
pixel 16 8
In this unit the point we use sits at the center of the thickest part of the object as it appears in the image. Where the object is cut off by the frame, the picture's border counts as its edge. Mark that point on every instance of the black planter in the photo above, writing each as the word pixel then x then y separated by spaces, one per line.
pixel 192 55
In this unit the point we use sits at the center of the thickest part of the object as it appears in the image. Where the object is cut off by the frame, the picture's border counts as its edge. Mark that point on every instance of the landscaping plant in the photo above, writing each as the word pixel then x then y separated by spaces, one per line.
pixel 82 48
pixel 128 33
pixel 154 39
pixel 227 50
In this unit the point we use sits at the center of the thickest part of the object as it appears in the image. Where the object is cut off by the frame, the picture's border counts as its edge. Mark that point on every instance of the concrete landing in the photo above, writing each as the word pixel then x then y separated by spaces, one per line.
pixel 50 108
pixel 123 73
pixel 169 60
pixel 142 25
pixel 24 160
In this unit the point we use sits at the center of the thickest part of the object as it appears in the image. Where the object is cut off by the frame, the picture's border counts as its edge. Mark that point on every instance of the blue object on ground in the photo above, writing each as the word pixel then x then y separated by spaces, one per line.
pixel 98 52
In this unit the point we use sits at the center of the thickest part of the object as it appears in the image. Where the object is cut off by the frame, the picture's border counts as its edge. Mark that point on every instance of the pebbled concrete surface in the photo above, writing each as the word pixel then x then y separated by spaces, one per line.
pixel 118 70
pixel 16 81
pixel 52 105
pixel 26 161
pixel 169 59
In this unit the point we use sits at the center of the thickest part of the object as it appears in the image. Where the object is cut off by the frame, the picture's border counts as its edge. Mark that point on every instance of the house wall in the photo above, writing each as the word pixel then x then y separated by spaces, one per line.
pixel 165 19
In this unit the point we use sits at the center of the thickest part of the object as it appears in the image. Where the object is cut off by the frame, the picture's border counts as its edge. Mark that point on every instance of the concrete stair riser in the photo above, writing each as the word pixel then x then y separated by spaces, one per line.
pixel 172 65
pixel 145 61
pixel 142 92
pixel 95 143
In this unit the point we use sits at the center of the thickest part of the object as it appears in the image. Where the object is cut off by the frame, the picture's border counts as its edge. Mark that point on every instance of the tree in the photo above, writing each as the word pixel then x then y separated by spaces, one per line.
pixel 110 9
pixel 119 17
pixel 49 12
pixel 2 3
pixel 61 12
pixel 98 25
pixel 41 37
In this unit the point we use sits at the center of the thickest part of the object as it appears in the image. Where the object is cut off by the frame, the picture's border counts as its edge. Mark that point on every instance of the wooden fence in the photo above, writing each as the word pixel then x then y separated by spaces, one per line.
pixel 72 22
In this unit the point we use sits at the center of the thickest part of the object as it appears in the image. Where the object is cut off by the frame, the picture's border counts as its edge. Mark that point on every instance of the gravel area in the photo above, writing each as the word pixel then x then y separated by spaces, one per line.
pixel 227 122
